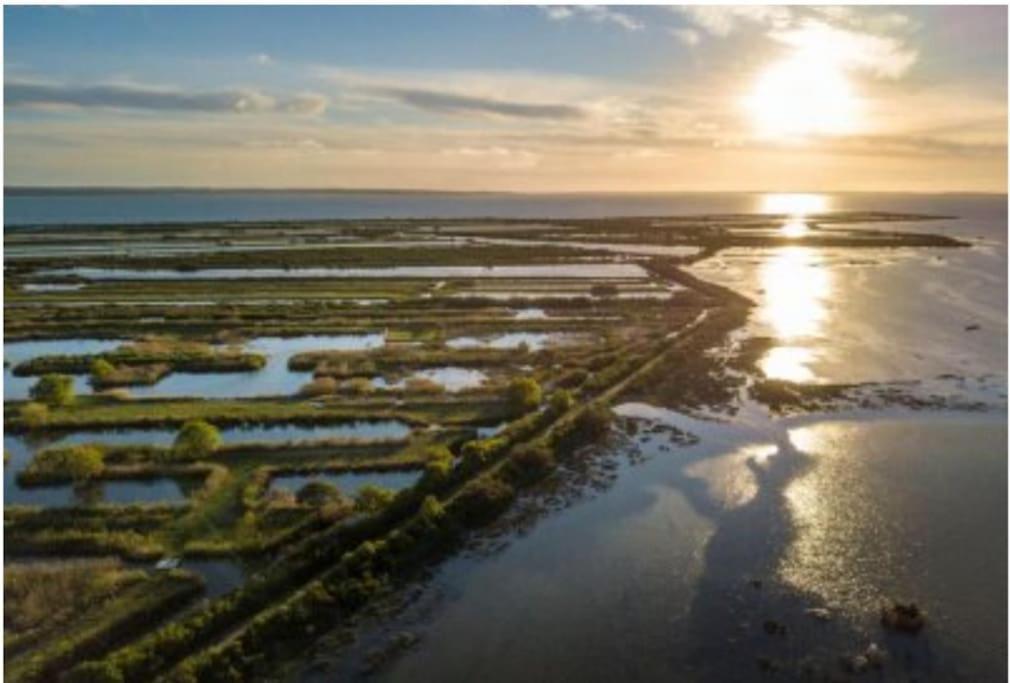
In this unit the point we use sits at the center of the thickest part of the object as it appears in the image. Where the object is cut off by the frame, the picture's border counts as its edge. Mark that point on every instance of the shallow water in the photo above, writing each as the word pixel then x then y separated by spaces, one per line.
pixel 112 207
pixel 651 577
pixel 274 379
pixel 595 271
pixel 535 341
pixel 17 388
pixel 649 580
pixel 21 447
pixel 349 483
pixel 451 379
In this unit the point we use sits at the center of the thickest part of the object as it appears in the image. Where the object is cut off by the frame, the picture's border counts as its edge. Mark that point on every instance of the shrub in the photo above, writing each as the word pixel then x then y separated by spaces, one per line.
pixel 423 385
pixel 54 390
pixel 482 500
pixel 438 464
pixel 101 368
pixel 523 394
pixel 100 671
pixel 604 290
pixel 371 498
pixel 360 386
pixel 432 510
pixel 34 414
pixel 482 450
pixel 317 493
pixel 320 386
pixel 591 424
pixel 196 439
pixel 532 461
pixel 79 463
pixel 561 402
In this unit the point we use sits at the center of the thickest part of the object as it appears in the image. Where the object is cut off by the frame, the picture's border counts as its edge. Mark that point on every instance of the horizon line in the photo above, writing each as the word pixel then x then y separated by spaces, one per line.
pixel 83 189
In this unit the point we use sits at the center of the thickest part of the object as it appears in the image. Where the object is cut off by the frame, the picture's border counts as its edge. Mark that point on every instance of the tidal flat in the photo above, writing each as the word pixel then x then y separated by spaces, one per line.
pixel 672 447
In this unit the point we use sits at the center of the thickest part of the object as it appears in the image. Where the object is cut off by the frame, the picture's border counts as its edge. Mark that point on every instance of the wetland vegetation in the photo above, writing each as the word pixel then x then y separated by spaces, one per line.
pixel 321 395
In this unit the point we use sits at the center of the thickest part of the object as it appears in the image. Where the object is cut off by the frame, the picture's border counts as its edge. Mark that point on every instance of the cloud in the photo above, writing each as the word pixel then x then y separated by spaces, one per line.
pixel 723 20
pixel 139 97
pixel 502 157
pixel 881 56
pixel 599 14
pixel 687 36
pixel 443 102
pixel 263 59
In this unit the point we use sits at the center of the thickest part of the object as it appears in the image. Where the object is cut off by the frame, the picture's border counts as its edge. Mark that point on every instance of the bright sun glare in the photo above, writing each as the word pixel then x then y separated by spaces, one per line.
pixel 802 95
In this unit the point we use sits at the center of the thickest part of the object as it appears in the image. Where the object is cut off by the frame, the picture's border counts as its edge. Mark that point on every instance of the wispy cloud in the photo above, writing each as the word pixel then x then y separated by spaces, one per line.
pixel 881 56
pixel 443 102
pixel 139 97
pixel 723 20
pixel 599 14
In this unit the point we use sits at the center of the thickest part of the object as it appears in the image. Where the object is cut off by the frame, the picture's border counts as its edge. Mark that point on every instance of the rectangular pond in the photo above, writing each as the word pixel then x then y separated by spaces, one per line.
pixel 595 271
pixel 348 483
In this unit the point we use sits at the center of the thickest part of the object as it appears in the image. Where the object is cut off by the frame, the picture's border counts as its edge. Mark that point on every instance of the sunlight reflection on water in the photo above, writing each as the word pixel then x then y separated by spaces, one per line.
pixel 796 285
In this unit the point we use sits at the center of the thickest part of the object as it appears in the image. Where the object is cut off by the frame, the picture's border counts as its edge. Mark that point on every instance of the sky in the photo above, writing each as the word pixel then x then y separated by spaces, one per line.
pixel 533 99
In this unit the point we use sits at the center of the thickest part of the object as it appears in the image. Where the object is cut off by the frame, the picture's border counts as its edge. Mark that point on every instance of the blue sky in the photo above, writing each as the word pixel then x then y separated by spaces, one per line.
pixel 517 98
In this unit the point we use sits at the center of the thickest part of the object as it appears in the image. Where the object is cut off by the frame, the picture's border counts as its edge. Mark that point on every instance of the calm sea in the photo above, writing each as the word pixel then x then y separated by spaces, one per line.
pixel 26 207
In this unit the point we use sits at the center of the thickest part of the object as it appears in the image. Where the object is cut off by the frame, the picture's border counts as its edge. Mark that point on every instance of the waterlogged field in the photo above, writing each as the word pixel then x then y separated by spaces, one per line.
pixel 296 422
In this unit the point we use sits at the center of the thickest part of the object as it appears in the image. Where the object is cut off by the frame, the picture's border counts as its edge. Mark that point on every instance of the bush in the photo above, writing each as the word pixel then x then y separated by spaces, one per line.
pixel 371 499
pixel 523 395
pixel 79 463
pixel 423 385
pixel 34 414
pixel 432 510
pixel 320 386
pixel 196 439
pixel 561 402
pixel 532 461
pixel 438 464
pixel 54 390
pixel 573 378
pixel 102 369
pixel 604 290
pixel 481 451
pixel 591 424
pixel 360 386
pixel 482 500
pixel 101 671
pixel 317 493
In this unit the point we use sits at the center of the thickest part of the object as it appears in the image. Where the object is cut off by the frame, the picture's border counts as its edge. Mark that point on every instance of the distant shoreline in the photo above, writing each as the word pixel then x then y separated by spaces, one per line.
pixel 23 190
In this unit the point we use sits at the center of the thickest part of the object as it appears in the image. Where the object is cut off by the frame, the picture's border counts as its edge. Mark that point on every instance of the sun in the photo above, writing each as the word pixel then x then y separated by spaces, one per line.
pixel 800 96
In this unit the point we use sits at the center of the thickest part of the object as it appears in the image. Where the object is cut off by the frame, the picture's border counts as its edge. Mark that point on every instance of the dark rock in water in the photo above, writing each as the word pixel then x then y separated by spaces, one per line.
pixel 773 628
pixel 901 617
pixel 756 583
pixel 855 664
pixel 821 613
pixel 971 328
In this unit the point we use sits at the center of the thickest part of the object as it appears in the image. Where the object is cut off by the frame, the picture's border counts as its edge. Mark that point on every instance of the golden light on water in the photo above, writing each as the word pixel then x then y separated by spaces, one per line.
pixel 789 363
pixel 794 204
pixel 728 478
pixel 796 287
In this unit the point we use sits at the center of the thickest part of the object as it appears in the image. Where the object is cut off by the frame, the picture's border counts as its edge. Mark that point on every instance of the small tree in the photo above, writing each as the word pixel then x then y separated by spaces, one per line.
pixel 438 464
pixel 317 493
pixel 561 401
pixel 54 390
pixel 79 463
pixel 523 394
pixel 102 369
pixel 197 439
pixel 371 498
pixel 34 414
